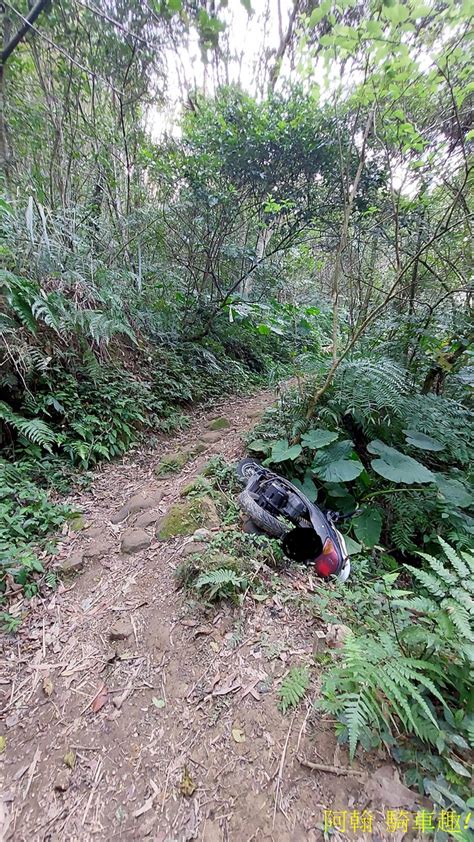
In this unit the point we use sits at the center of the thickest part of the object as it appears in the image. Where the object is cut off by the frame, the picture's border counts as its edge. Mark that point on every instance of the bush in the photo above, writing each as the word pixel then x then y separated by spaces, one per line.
pixel 416 675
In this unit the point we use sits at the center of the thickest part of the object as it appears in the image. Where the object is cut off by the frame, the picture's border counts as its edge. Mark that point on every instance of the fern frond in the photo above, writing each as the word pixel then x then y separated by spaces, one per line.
pixel 431 582
pixel 42 311
pixel 469 559
pixel 293 688
pixel 441 571
pixel 460 618
pixel 464 599
pixel 220 583
pixel 222 576
pixel 459 566
pixel 32 428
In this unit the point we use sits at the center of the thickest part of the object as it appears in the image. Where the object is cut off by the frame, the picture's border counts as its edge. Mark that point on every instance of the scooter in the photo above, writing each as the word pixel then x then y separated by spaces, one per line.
pixel 275 505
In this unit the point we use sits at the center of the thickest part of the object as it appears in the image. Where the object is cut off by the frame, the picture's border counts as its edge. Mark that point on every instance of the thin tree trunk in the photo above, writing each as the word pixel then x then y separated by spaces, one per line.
pixel 283 46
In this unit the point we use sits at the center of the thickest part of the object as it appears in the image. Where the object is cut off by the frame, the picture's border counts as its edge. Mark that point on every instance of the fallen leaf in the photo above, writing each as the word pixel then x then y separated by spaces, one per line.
pixel 70 759
pixel 20 772
pixel 159 703
pixel 238 735
pixel 3 744
pixel 385 786
pixel 203 630
pixel 187 785
pixel 48 686
pixel 100 700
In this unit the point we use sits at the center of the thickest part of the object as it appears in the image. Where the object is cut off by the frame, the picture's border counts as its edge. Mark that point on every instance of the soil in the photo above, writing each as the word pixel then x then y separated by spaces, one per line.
pixel 132 713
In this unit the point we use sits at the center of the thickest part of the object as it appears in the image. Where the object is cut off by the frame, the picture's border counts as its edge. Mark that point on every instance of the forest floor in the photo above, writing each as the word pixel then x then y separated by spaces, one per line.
pixel 132 712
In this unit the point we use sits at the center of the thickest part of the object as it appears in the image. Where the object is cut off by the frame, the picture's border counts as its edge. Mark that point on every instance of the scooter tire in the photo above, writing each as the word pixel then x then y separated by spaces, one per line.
pixel 264 520
pixel 245 468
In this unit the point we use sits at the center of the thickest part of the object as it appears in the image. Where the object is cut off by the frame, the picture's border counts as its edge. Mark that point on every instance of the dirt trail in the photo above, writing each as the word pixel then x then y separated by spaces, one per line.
pixel 190 703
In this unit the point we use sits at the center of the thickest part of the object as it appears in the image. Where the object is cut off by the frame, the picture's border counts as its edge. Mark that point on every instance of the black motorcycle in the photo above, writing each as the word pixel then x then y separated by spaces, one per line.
pixel 281 510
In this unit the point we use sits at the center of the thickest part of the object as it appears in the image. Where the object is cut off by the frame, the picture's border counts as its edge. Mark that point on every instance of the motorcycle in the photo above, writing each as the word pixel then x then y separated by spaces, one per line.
pixel 281 510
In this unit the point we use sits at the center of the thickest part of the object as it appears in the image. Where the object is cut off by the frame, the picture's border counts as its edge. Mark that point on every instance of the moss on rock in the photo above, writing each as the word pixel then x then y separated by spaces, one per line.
pixel 197 487
pixel 219 424
pixel 172 463
pixel 185 517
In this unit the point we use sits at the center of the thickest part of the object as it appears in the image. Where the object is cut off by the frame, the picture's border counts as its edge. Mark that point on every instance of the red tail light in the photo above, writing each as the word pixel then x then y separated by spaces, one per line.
pixel 328 563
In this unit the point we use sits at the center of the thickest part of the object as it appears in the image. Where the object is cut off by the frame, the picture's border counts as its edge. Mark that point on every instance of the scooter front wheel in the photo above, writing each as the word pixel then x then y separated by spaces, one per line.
pixel 263 519
pixel 246 468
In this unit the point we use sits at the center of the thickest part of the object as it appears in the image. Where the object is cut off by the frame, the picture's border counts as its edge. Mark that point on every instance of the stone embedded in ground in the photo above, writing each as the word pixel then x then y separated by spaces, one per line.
pixel 219 424
pixel 134 540
pixel 98 548
pixel 146 519
pixel 76 522
pixel 62 781
pixel 73 564
pixel 120 630
pixel 212 437
pixel 193 548
pixel 143 500
pixel 185 517
pixel 202 535
pixel 94 532
pixel 173 462
pixel 336 634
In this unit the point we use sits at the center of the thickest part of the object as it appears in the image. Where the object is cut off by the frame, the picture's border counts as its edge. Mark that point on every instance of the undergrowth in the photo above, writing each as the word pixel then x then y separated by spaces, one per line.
pixel 405 675
pixel 83 381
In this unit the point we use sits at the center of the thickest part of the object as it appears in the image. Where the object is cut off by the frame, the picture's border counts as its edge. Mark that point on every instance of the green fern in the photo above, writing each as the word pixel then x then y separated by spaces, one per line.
pixel 293 688
pixel 386 680
pixel 31 428
pixel 450 589
pixel 377 685
pixel 220 584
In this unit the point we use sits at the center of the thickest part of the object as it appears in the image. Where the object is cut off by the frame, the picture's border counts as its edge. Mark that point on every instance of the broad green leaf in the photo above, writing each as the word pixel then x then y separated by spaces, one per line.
pixel 337 450
pixel 416 439
pixel 373 28
pixel 342 470
pixel 259 445
pixel 454 491
pixel 334 489
pixel 368 526
pixel 175 5
pixel 281 451
pixel 396 466
pixel 420 12
pixel 397 13
pixel 458 768
pixel 353 548
pixel 307 486
pixel 318 13
pixel 318 438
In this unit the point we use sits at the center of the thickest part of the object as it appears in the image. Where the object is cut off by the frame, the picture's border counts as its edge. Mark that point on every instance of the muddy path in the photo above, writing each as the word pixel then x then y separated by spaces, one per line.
pixel 132 713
